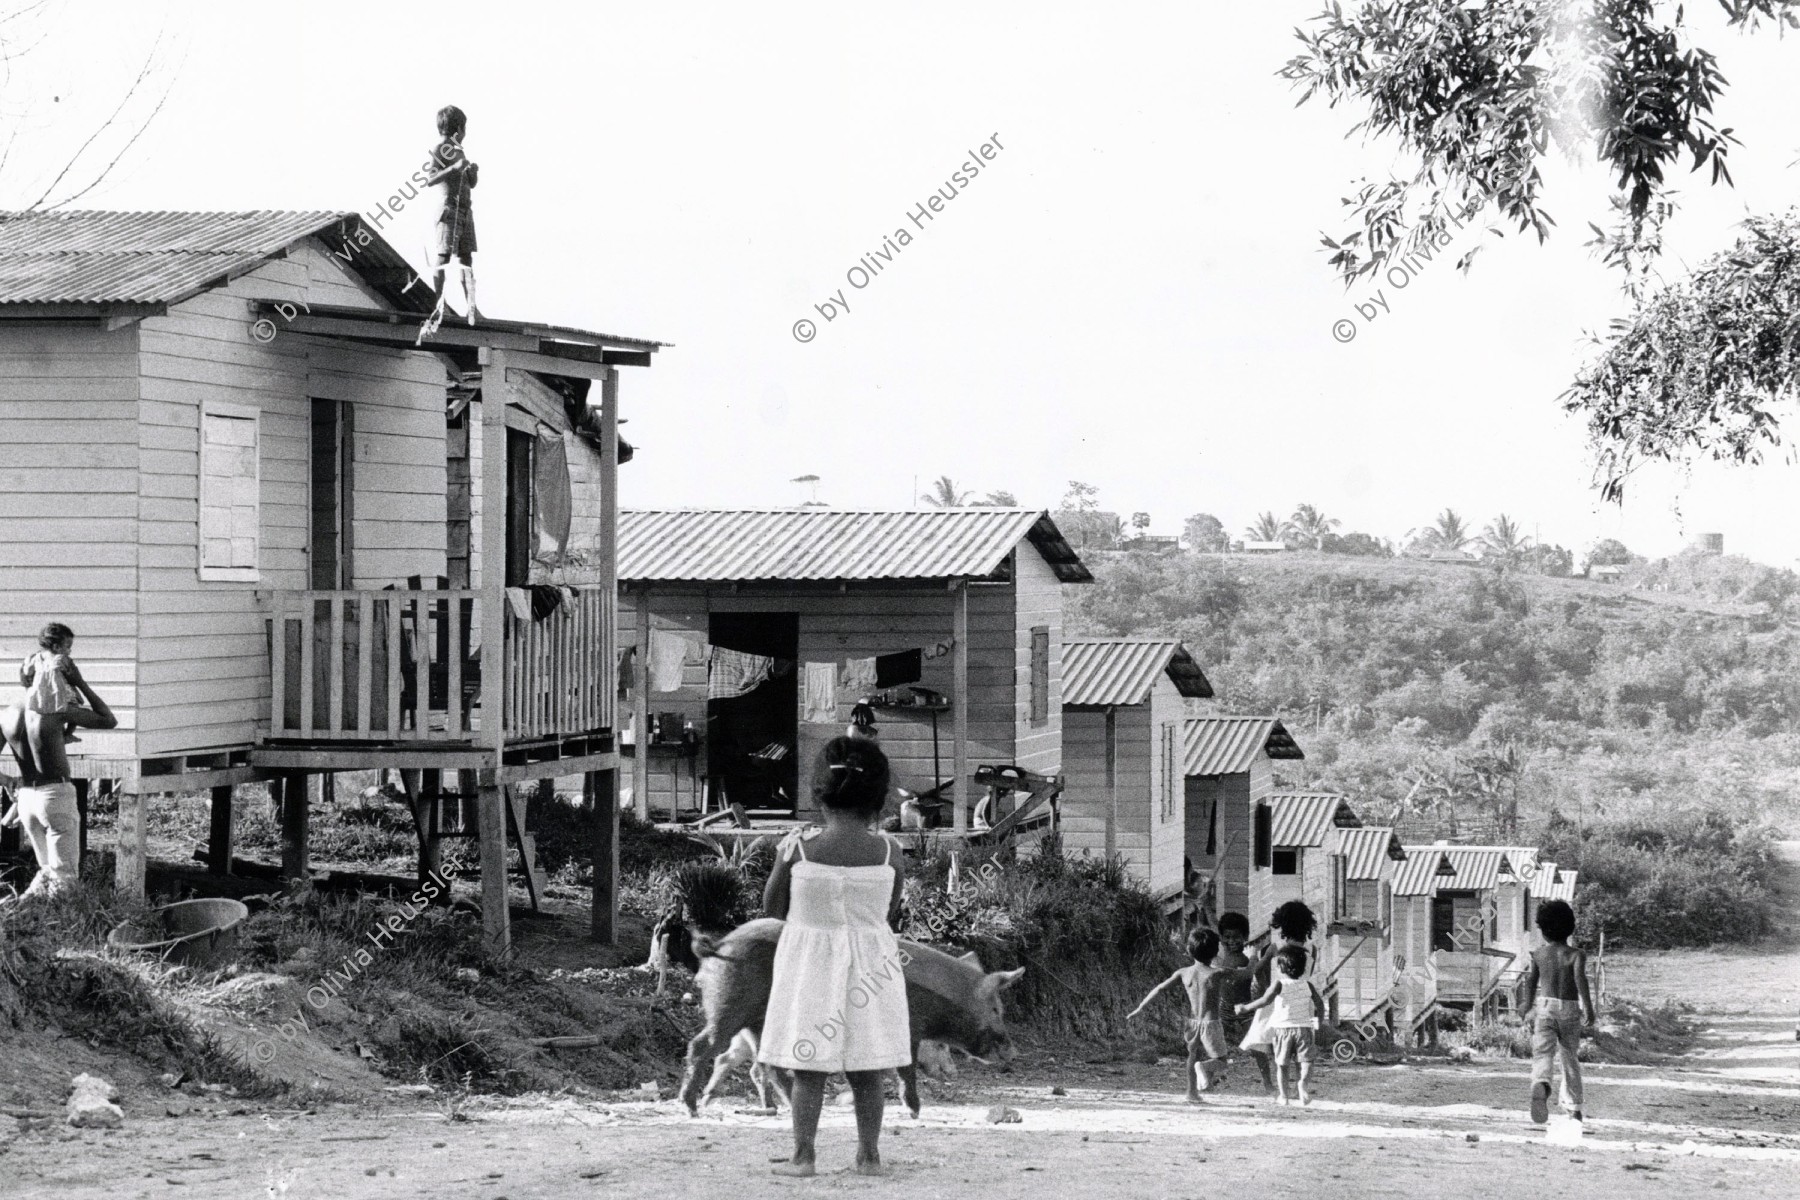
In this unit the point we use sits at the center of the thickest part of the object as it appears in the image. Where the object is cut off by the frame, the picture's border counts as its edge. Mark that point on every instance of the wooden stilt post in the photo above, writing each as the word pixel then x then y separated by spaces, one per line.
pixel 959 713
pixel 640 714
pixel 1112 782
pixel 81 810
pixel 218 842
pixel 496 920
pixel 602 788
pixel 295 802
pixel 131 848
pixel 429 802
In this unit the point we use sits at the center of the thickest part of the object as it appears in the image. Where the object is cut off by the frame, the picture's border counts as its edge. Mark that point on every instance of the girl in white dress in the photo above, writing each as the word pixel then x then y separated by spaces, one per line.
pixel 1292 924
pixel 838 1002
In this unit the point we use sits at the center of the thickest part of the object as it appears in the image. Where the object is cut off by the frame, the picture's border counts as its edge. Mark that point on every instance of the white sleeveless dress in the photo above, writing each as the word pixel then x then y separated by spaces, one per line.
pixel 838 1002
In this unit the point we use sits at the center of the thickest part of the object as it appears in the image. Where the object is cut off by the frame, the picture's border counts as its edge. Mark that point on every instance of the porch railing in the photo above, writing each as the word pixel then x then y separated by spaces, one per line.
pixel 405 666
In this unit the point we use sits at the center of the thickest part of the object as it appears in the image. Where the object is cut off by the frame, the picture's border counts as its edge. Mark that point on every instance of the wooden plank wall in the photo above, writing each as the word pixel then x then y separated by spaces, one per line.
pixel 1236 796
pixel 1085 802
pixel 69 488
pixel 1037 600
pixel 1168 829
pixel 203 659
pixel 835 626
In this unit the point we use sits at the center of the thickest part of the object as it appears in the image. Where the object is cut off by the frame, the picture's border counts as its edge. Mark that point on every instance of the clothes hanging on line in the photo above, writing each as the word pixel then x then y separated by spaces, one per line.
pixel 545 600
pixel 733 673
pixel 893 670
pixel 819 693
pixel 668 655
pixel 627 665
pixel 939 649
pixel 519 600
pixel 858 676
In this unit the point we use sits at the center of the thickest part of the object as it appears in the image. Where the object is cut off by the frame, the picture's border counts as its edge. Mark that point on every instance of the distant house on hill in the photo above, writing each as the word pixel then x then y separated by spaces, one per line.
pixel 1154 543
pixel 1264 547
pixel 1122 753
pixel 1457 557
pixel 1606 574
pixel 1229 766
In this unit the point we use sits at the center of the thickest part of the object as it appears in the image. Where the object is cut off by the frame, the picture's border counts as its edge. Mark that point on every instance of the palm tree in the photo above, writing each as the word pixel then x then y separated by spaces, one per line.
pixel 1266 528
pixel 1311 526
pixel 1505 540
pixel 1448 533
pixel 945 494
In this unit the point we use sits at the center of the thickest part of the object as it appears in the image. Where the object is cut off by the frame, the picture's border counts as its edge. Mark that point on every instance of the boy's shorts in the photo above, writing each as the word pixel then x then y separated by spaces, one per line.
pixel 1295 1045
pixel 1210 1034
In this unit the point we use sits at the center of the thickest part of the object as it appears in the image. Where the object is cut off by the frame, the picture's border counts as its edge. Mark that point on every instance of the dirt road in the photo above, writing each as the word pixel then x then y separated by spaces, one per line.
pixel 1724 1117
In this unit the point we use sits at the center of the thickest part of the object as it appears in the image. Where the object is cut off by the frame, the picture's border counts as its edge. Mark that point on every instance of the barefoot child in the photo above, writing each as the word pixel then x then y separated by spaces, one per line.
pixel 1206 990
pixel 1294 1006
pixel 1292 924
pixel 1237 968
pixel 838 1002
pixel 1557 981
pixel 50 677
pixel 453 233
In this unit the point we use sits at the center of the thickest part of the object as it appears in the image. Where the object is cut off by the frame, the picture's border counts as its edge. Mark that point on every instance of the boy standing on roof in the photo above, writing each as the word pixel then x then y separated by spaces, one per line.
pixel 453 234
pixel 1560 971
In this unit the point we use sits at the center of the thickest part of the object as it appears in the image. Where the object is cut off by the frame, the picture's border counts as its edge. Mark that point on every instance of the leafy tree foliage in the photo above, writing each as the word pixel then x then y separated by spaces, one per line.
pixel 997 499
pixel 1476 95
pixel 1505 541
pixel 1545 559
pixel 1310 526
pixel 1361 544
pixel 1205 533
pixel 1608 552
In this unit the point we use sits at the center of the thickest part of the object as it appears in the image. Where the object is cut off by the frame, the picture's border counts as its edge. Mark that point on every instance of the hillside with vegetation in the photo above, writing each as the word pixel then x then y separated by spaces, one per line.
pixel 1640 730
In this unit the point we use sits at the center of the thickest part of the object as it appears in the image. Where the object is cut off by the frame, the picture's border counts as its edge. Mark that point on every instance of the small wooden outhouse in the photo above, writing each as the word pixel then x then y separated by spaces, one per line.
pixel 1228 763
pixel 1359 937
pixel 235 461
pixel 1295 853
pixel 1123 711
pixel 739 618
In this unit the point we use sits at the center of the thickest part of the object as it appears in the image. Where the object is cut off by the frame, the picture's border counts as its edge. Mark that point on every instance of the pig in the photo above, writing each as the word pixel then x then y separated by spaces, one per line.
pixel 951 1000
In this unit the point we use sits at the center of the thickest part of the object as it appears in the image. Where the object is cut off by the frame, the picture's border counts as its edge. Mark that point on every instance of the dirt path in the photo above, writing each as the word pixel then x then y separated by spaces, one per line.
pixel 1725 1117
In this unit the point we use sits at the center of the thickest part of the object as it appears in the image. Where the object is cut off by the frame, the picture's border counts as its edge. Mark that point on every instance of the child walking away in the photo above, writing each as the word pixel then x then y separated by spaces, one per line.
pixel 1294 1006
pixel 838 1002
pixel 50 677
pixel 453 234
pixel 1206 989
pixel 1236 969
pixel 1557 982
pixel 1292 924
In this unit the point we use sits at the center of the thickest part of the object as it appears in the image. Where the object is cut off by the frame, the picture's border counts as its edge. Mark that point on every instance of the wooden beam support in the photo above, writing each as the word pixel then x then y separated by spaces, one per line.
pixel 219 839
pixel 959 700
pixel 496 391
pixel 496 917
pixel 584 362
pixel 1112 781
pixel 131 847
pixel 602 788
pixel 295 803
pixel 640 712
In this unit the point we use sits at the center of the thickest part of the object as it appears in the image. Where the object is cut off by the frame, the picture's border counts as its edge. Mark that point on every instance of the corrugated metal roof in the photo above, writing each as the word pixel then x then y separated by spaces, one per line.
pixel 1306 818
pixel 1552 884
pixel 95 257
pixel 1123 670
pixel 1365 849
pixel 1227 745
pixel 1522 859
pixel 1423 869
pixel 1565 886
pixel 830 544
pixel 1477 868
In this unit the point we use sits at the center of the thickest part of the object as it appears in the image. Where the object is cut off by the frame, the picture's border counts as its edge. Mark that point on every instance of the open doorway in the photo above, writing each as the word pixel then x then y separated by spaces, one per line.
pixel 752 741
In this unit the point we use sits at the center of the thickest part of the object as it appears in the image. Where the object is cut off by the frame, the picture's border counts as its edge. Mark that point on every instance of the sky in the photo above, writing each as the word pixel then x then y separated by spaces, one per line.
pixel 1131 293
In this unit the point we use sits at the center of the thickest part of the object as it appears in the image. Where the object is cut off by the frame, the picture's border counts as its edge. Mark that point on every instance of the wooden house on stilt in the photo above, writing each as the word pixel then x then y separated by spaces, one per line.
pixel 294 535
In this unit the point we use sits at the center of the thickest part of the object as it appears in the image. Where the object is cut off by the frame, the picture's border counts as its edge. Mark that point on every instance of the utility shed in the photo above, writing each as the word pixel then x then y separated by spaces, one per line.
pixel 1122 753
pixel 1228 763
pixel 978 591
pixel 232 461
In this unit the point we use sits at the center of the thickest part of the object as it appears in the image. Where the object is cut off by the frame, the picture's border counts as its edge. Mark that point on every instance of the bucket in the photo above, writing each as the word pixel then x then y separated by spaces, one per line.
pixel 190 933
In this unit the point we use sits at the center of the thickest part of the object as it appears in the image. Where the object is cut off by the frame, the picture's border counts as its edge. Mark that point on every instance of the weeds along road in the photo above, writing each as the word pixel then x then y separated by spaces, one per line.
pixel 1724 1117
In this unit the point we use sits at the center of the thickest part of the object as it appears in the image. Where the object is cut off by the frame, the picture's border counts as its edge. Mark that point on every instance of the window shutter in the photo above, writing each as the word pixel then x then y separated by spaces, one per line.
pixel 230 485
pixel 1040 674
pixel 1264 832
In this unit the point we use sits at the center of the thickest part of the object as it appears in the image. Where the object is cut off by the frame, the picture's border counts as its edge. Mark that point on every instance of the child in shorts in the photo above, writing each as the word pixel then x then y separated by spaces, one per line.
pixel 1294 1009
pixel 1206 990
pixel 48 676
